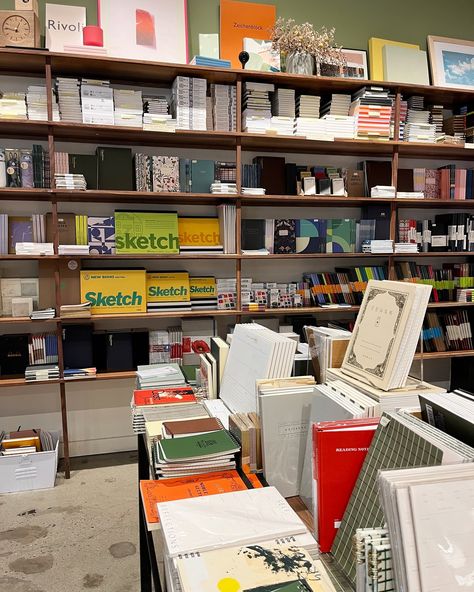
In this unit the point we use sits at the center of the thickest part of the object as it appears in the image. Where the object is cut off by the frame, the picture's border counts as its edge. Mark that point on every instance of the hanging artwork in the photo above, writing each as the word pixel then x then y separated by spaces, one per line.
pixel 152 30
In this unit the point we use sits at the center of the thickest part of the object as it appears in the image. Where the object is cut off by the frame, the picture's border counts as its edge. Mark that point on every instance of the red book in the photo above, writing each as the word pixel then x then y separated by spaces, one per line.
pixel 164 396
pixel 339 449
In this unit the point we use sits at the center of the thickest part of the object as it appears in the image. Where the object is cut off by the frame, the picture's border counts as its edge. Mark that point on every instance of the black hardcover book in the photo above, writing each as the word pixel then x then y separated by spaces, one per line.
pixel 13 354
pixel 77 346
pixel 290 178
pixel 377 172
pixel 115 168
pixel 84 164
pixel 119 351
pixel 141 348
pixel 324 186
pixel 253 234
pixel 272 176
pixel 285 236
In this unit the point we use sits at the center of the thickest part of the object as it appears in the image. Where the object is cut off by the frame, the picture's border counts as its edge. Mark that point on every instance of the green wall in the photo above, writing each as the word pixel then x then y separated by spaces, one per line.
pixel 355 20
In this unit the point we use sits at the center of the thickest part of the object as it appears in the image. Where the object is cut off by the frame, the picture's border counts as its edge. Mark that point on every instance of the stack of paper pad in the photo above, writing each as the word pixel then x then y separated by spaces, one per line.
pixel 386 333
pixel 381 246
pixel 191 455
pixel 155 105
pixel 152 376
pixel 159 123
pixel 73 250
pixel 432 508
pixel 312 128
pixel 339 126
pixel 69 99
pixel 13 106
pixel 128 107
pixel 255 353
pixel 97 98
pixel 79 373
pixel 188 104
pixel 402 120
pixel 76 311
pixel 283 126
pixel 227 217
pixel 388 191
pixel 372 107
pixel 401 441
pixel 34 249
pixel 250 530
pixel 420 132
pixel 224 188
pixel 308 106
pixel 253 191
pixel 455 126
pixel 257 112
pixel 41 315
pixel 163 398
pixel 42 372
pixel 406 248
pixel 338 104
pixel 70 181
pixel 37 104
pixel 224 107
pixel 151 422
pixel 283 102
pixel 407 397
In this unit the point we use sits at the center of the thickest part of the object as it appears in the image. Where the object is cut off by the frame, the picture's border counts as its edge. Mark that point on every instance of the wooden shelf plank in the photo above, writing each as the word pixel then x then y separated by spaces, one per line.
pixel 155 315
pixel 134 197
pixel 12 382
pixel 27 257
pixel 443 355
pixel 153 256
pixel 23 194
pixel 23 320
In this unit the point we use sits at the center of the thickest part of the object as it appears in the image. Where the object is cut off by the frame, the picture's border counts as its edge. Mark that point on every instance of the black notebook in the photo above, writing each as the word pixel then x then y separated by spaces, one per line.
pixel 115 168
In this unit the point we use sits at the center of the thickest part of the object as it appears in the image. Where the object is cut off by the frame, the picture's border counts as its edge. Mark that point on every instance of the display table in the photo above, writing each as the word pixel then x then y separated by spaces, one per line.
pixel 152 578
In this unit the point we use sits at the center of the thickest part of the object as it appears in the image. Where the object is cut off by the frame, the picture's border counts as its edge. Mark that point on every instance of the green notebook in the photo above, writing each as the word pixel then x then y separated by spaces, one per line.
pixel 195 447
pixel 296 586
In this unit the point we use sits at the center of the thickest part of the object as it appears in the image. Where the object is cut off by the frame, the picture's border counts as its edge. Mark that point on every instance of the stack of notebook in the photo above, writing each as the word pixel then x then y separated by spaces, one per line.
pixel 41 372
pixel 254 541
pixel 401 441
pixel 153 376
pixel 168 397
pixel 429 516
pixel 69 181
pixel 69 99
pixel 76 311
pixel 191 455
pixel 43 314
pixel 373 557
pixel 79 373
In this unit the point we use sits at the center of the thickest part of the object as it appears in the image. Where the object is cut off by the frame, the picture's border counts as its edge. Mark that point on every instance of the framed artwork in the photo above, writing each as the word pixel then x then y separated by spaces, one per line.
pixel 154 30
pixel 356 65
pixel 451 62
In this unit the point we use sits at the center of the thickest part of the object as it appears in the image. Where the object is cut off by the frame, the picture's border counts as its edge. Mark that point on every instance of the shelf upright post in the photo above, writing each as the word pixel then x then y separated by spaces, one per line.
pixel 395 165
pixel 57 278
pixel 238 203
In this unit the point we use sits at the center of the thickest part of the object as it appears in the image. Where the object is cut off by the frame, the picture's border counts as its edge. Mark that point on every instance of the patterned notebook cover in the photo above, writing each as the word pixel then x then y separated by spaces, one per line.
pixel 165 173
pixel 101 235
pixel 311 236
pixel 285 236
pixel 394 446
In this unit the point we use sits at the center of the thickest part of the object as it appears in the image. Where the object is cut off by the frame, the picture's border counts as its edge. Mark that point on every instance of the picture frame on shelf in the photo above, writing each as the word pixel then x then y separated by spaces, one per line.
pixel 451 62
pixel 146 30
pixel 356 65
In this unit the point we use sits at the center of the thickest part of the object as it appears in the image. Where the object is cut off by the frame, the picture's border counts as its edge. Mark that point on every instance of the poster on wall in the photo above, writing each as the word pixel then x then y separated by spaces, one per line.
pixel 150 30
pixel 451 62
pixel 243 19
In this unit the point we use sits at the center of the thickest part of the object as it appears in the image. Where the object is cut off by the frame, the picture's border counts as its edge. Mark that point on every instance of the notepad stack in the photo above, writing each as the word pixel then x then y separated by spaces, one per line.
pixel 224 107
pixel 168 399
pixel 42 372
pixel 43 314
pixel 37 104
pixel 250 530
pixel 69 181
pixel 69 99
pixel 76 311
pixel 191 455
pixel 372 107
pixel 97 98
pixel 432 508
pixel 307 122
pixel 154 376
pixel 128 107
pixel 13 106
pixel 257 107
pixel 188 103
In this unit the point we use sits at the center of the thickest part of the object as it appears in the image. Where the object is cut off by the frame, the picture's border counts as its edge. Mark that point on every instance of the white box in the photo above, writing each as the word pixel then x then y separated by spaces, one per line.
pixel 24 472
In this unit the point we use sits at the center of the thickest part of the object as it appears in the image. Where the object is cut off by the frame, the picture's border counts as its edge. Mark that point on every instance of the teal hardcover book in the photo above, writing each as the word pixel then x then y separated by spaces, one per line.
pixel 202 175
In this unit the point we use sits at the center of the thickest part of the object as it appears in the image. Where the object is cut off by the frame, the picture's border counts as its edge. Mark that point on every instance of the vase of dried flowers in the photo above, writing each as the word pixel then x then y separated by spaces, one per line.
pixel 299 62
pixel 304 47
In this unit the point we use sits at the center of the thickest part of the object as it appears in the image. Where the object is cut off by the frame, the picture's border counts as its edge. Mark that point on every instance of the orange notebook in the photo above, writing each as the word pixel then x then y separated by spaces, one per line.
pixel 166 490
pixel 243 19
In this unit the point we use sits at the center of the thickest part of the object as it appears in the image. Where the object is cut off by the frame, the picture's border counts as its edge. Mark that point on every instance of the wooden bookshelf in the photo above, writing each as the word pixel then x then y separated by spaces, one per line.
pixel 47 65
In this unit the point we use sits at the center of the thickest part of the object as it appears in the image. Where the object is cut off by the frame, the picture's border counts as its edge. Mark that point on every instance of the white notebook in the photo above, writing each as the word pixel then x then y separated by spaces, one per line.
pixel 227 519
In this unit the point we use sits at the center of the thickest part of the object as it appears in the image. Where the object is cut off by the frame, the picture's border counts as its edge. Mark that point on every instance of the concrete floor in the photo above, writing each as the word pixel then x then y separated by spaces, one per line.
pixel 82 535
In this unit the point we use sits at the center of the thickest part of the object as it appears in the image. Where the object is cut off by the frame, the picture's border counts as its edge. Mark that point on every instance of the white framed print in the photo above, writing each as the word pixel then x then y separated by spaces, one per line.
pixel 451 62
pixel 148 30
pixel 356 64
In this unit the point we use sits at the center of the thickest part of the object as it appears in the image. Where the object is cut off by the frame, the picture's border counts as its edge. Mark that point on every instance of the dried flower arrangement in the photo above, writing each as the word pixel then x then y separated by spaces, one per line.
pixel 290 38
